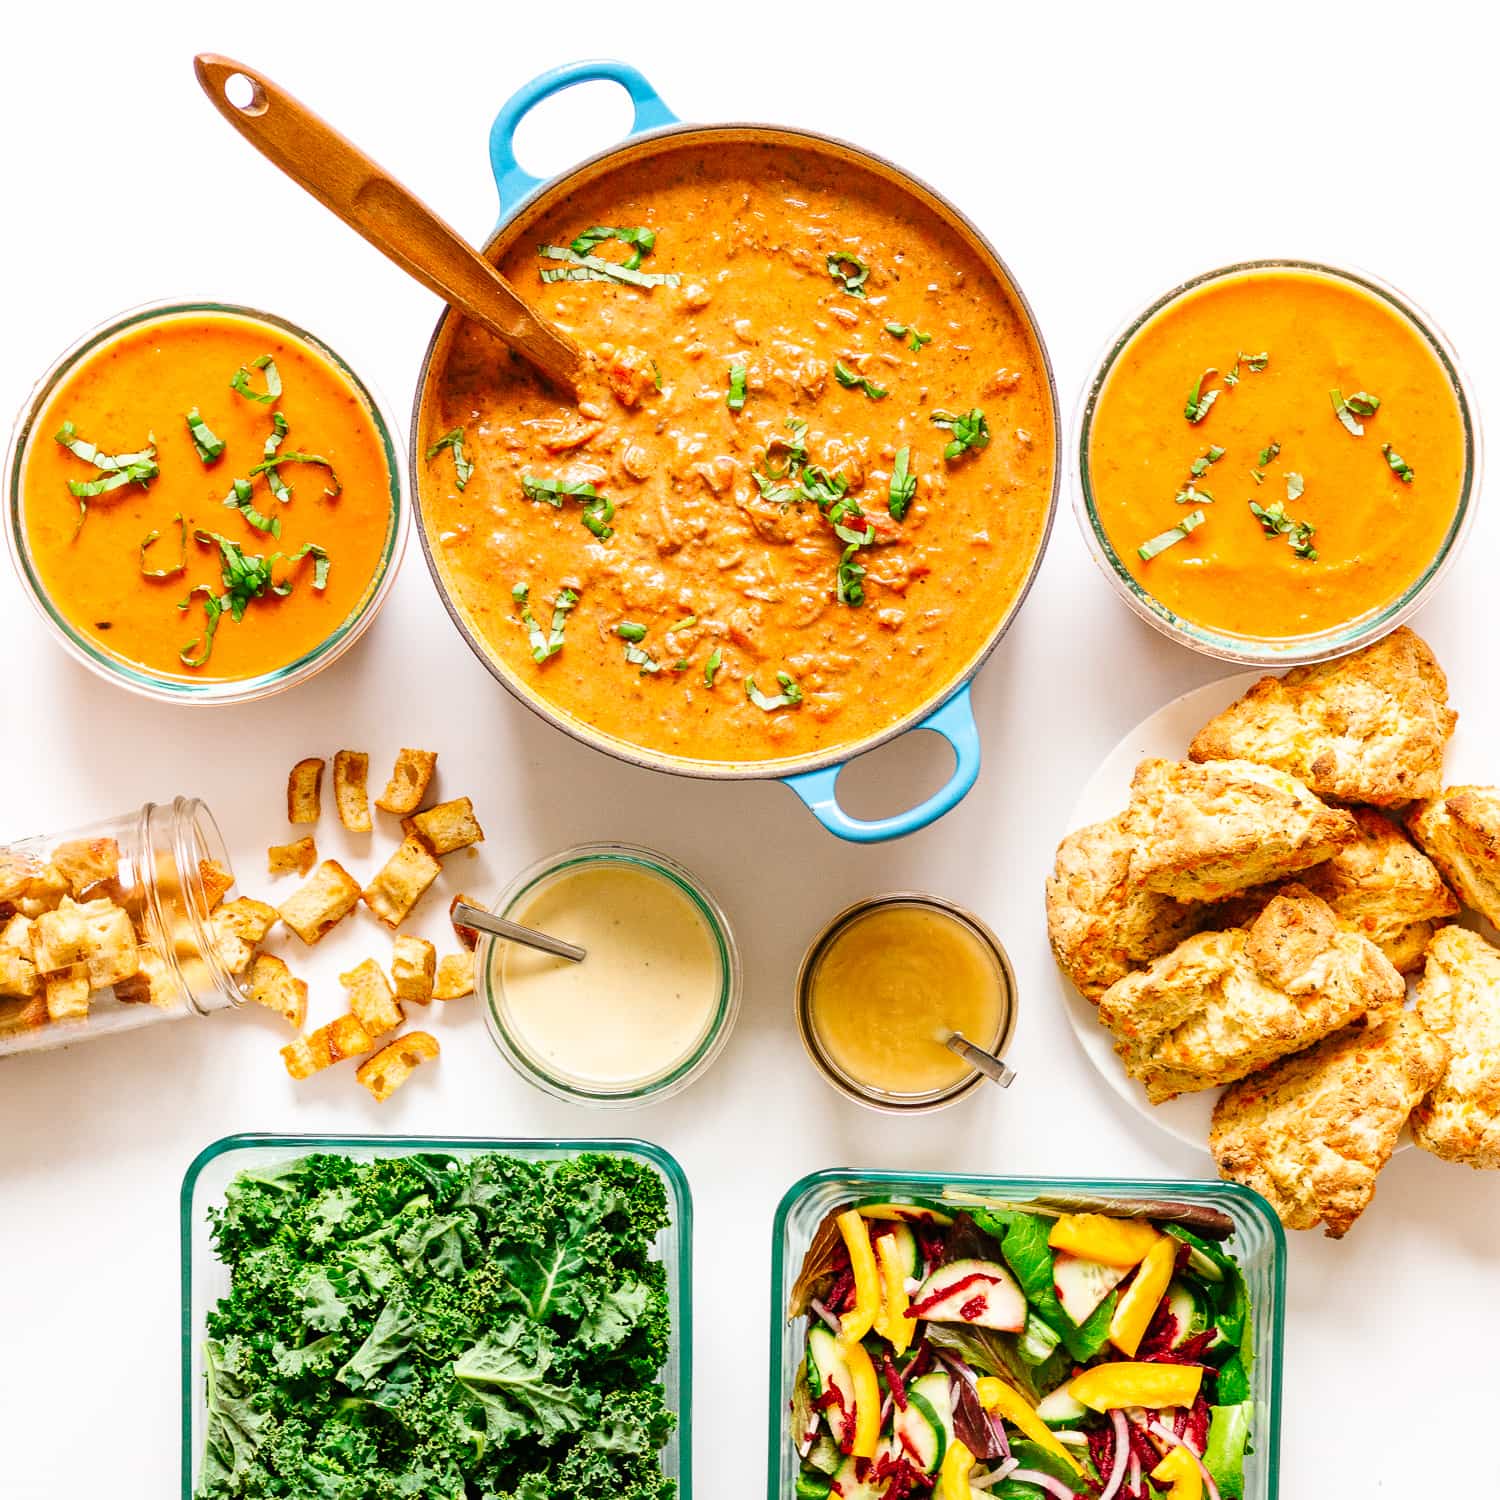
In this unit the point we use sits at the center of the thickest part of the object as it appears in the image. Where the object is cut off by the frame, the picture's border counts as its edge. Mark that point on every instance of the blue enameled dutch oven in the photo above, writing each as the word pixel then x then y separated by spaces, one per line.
pixel 522 199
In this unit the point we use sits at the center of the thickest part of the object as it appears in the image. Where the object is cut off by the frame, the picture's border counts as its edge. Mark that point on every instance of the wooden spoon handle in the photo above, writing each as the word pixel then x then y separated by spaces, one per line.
pixel 341 177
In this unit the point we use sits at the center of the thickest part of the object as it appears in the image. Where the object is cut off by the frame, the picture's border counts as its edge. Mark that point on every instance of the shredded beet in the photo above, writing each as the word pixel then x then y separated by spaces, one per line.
pixel 1159 1334
pixel 1190 1352
pixel 972 1309
pixel 840 1296
pixel 1102 1448
pixel 932 1246
pixel 1184 1255
pixel 918 1309
pixel 1195 1429
pixel 894 1384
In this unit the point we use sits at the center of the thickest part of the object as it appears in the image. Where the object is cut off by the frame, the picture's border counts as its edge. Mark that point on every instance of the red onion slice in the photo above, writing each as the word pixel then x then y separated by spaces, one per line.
pixel 988 1478
pixel 1121 1464
pixel 831 1319
pixel 1162 1431
pixel 1044 1482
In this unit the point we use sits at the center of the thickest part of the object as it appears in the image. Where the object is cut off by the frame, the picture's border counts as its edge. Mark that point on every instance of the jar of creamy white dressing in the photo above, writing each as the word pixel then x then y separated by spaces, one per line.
pixel 106 928
pixel 649 1009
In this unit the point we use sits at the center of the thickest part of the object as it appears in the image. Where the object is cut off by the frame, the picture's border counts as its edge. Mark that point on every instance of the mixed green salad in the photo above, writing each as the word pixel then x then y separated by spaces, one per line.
pixel 449 1328
pixel 1021 1352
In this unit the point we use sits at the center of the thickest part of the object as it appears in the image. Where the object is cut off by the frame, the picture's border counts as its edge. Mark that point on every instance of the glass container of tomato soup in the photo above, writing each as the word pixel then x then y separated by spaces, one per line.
pixel 1277 461
pixel 108 927
pixel 647 1011
pixel 205 503
pixel 884 985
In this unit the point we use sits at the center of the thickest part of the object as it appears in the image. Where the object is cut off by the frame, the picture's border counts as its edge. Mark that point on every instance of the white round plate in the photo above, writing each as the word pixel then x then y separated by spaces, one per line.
pixel 1166 733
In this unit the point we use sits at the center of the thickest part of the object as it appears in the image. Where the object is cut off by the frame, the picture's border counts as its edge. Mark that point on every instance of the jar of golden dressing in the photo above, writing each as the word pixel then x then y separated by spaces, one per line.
pixel 884 986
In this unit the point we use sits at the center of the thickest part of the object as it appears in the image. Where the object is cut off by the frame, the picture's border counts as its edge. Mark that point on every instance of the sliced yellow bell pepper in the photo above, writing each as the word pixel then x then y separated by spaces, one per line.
pixel 1005 1401
pixel 1138 1304
pixel 1112 1242
pixel 894 1320
pixel 1126 1383
pixel 1179 1471
pixel 866 1392
pixel 860 1318
pixel 953 1475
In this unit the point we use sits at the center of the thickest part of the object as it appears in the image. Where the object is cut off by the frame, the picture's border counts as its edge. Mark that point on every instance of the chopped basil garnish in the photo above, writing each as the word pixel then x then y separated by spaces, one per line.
pixel 847 377
pixel 682 666
pixel 544 646
pixel 598 510
pixel 637 657
pixel 711 666
pixel 641 241
pixel 239 499
pixel 1275 522
pixel 1190 494
pixel 735 400
pixel 1294 485
pixel 137 473
pixel 279 487
pixel 789 696
pixel 628 630
pixel 1169 538
pixel 1399 466
pixel 463 470
pixel 1200 465
pixel 241 380
pixel 903 485
pixel 179 566
pixel 970 430
pixel 272 465
pixel 108 463
pixel 901 330
pixel 1350 409
pixel 593 268
pixel 1268 453
pixel 1255 362
pixel 853 280
pixel 197 650
pixel 1199 401
pixel 851 575
pixel 209 447
pixel 245 578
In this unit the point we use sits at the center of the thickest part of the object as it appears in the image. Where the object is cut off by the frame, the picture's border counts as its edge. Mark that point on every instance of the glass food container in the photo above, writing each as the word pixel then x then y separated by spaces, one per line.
pixel 661 1082
pixel 1258 1243
pixel 1284 651
pixel 205 1279
pixel 861 1091
pixel 106 927
pixel 138 679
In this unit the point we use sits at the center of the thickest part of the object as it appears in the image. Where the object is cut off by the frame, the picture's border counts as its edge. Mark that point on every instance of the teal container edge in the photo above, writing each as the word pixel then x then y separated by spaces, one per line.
pixel 676 1242
pixel 1263 1262
pixel 954 718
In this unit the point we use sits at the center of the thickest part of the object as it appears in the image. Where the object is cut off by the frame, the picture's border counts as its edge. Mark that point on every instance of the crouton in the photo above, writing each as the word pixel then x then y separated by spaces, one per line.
pixel 85 862
pixel 67 993
pixel 153 983
pixel 468 936
pixel 59 938
pixel 446 827
pixel 44 891
pixel 340 1038
pixel 18 976
pixel 455 977
pixel 321 902
pixel 237 928
pixel 370 998
pixel 17 871
pixel 304 791
pixel 216 882
pixel 110 950
pixel 401 882
pixel 274 985
pixel 351 774
pixel 389 1068
pixel 413 965
pixel 297 857
pixel 410 778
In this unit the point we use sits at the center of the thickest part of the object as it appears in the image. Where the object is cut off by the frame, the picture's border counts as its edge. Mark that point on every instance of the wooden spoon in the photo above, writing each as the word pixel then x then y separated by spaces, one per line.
pixel 341 177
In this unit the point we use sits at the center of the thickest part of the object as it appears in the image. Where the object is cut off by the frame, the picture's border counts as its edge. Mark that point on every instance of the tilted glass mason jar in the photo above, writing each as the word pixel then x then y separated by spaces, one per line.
pixel 107 927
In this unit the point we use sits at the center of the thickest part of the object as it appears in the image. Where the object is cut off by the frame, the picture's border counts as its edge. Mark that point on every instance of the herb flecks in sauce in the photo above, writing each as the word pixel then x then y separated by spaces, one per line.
pixel 1200 465
pixel 1399 466
pixel 789 696
pixel 1171 536
pixel 597 510
pixel 240 380
pixel 209 448
pixel 594 268
pixel 1349 409
pixel 273 466
pixel 543 647
pixel 735 400
pixel 851 378
pixel 1200 402
pixel 1275 522
pixel 970 430
pixel 851 280
pixel 245 578
pixel 463 470
pixel 902 330
pixel 180 566
pixel 903 485
pixel 240 498
pixel 641 241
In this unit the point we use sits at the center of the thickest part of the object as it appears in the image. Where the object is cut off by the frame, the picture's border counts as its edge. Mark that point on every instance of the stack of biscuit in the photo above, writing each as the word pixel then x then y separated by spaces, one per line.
pixel 1249 918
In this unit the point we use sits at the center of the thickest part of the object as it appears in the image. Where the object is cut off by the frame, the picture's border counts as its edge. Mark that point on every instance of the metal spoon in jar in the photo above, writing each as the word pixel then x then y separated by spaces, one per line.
pixel 512 932
pixel 986 1062
pixel 341 177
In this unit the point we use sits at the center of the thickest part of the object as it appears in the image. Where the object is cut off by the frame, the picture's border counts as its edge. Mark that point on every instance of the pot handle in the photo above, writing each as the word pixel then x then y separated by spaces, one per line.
pixel 513 180
pixel 955 722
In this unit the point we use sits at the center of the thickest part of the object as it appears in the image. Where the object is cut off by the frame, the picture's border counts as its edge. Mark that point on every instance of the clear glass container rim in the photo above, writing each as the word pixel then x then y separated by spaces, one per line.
pixel 715 1037
pixel 141 680
pixel 1290 650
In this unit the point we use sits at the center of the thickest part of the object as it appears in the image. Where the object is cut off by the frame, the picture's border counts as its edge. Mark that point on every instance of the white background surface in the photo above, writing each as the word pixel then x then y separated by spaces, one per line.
pixel 1106 152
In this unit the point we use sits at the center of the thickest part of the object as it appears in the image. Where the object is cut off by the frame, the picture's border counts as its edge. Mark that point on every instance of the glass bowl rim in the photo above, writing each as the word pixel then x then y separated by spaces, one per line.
pixel 830 1072
pixel 489 982
pixel 1280 651
pixel 140 680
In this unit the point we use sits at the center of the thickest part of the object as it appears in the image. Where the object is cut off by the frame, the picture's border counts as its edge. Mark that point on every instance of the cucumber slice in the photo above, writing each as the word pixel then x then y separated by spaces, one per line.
pixel 905 1242
pixel 1038 1340
pixel 913 1213
pixel 981 1292
pixel 826 1369
pixel 812 1485
pixel 1191 1311
pixel 1081 1285
pixel 851 1487
pixel 925 1429
pixel 1059 1409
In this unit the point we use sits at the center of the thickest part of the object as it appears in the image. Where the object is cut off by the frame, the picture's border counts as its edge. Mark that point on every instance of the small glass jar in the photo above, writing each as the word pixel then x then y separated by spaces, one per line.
pixel 660 1083
pixel 106 928
pixel 860 1090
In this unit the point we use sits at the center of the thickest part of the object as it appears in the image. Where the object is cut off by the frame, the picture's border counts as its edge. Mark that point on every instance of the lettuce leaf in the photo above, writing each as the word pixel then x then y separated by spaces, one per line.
pixel 1029 1256
pixel 1224 1453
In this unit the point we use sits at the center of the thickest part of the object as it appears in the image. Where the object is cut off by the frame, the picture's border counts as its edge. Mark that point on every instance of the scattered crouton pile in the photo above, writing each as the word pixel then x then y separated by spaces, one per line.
pixel 376 995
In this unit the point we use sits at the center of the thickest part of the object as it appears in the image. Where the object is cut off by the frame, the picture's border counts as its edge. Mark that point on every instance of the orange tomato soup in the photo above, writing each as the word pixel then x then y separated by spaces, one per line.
pixel 816 321
pixel 133 395
pixel 1342 533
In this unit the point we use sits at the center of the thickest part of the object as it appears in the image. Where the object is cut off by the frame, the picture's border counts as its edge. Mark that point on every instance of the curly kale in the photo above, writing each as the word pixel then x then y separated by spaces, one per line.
pixel 440 1329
